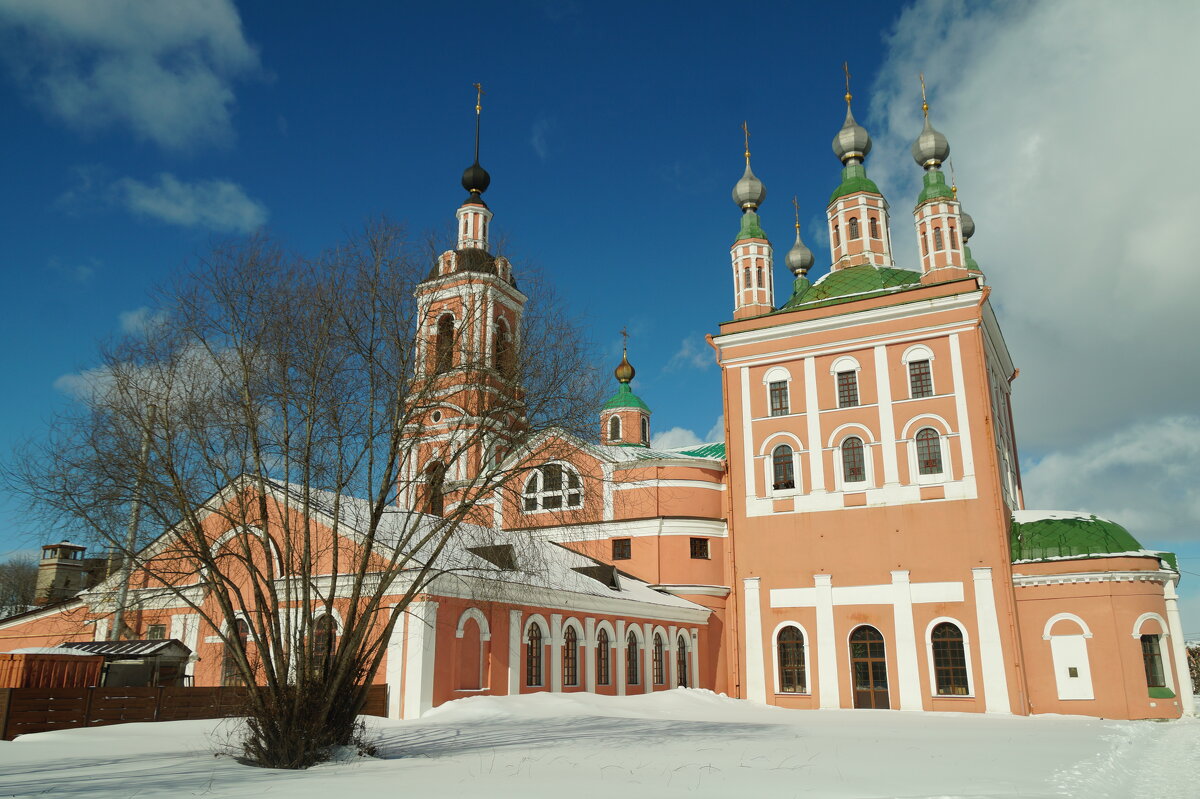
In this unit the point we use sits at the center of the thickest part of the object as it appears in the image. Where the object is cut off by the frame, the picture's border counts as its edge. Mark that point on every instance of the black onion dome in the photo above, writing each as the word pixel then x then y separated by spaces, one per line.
pixel 476 179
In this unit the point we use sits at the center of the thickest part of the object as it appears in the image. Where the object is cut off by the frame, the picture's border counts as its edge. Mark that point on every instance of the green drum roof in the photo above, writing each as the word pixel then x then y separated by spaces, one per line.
pixel 1042 535
pixel 625 398
pixel 716 450
pixel 854 283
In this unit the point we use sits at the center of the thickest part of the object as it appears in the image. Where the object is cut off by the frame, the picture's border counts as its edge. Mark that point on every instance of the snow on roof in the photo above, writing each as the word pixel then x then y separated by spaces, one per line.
pixel 47 650
pixel 1027 516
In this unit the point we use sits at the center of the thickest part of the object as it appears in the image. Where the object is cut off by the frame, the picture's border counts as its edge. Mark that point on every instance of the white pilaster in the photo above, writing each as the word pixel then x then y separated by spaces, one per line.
pixel 755 679
pixel 747 436
pixel 648 658
pixel 1187 700
pixel 556 644
pixel 101 630
pixel 694 654
pixel 960 406
pixel 991 654
pixel 394 671
pixel 589 654
pixel 887 423
pixel 812 414
pixel 619 657
pixel 907 674
pixel 514 652
pixel 420 657
pixel 827 673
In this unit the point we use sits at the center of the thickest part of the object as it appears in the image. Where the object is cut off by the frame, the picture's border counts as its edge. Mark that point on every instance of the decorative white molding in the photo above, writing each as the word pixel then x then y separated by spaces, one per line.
pixel 1027 580
pixel 756 689
pixel 678 589
pixel 991 652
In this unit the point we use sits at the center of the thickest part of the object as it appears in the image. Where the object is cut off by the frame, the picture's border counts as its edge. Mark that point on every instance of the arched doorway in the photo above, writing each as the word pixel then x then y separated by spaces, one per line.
pixel 868 668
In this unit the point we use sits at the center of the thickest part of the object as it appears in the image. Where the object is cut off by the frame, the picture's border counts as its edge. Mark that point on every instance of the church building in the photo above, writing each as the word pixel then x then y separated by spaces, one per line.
pixel 858 540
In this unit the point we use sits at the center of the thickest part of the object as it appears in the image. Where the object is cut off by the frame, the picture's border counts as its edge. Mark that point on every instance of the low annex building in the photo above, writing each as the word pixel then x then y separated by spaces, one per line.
pixel 859 540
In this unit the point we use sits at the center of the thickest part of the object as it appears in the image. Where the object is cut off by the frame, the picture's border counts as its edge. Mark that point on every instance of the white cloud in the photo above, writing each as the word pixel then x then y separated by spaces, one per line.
pixel 682 437
pixel 140 320
pixel 693 353
pixel 162 70
pixel 1142 477
pixel 1071 140
pixel 214 204
pixel 537 137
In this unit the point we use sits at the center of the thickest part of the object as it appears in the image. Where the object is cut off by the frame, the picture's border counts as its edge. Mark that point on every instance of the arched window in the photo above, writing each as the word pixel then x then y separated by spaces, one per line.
pixel 920 379
pixel 949 660
pixel 503 349
pixel 746 278
pixel 681 661
pixel 790 650
pixel 854 465
pixel 837 237
pixel 924 244
pixel 570 657
pixel 533 656
pixel 230 673
pixel 758 277
pixel 1152 660
pixel 852 231
pixel 435 482
pixel 324 633
pixel 444 348
pixel 657 661
pixel 614 428
pixel 552 487
pixel 631 659
pixel 953 238
pixel 645 430
pixel 929 451
pixel 602 673
pixel 782 468
pixel 938 244
pixel 874 228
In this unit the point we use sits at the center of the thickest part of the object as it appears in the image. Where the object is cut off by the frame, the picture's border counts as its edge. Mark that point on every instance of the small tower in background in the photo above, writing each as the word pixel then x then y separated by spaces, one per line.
pixel 937 215
pixel 799 259
pixel 625 418
pixel 62 572
pixel 751 256
pixel 859 231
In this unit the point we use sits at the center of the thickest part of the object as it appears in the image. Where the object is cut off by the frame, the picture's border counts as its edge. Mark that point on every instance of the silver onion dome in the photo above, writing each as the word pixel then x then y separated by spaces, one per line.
pixel 931 149
pixel 968 226
pixel 799 259
pixel 749 192
pixel 852 141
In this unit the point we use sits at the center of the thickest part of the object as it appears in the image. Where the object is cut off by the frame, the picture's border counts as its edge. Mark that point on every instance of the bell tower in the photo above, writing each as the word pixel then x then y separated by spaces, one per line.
pixel 751 256
pixel 625 418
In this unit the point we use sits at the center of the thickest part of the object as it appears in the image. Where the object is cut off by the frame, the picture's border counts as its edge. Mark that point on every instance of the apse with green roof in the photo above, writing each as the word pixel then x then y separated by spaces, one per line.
pixel 1040 535
pixel 625 418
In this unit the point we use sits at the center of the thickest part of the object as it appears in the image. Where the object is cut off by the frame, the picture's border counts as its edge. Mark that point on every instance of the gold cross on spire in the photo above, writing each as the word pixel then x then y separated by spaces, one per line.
pixel 625 343
pixel 796 205
pixel 953 180
pixel 924 103
pixel 846 69
pixel 746 130
pixel 478 98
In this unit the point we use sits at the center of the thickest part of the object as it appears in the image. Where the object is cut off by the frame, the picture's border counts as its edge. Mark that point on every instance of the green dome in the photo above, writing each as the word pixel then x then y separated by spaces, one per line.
pixel 625 398
pixel 854 179
pixel 1039 535
pixel 851 284
pixel 935 188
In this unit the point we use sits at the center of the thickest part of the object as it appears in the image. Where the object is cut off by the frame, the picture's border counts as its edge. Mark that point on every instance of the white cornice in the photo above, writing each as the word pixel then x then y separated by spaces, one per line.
pixel 1158 576
pixel 633 528
pixel 696 590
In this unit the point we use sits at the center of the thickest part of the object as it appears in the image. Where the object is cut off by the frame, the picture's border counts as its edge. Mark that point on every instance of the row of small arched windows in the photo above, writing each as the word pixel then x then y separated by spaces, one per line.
pixel 614 429
pixel 854 230
pixel 535 651
pixel 854 464
pixel 939 242
pixel 502 360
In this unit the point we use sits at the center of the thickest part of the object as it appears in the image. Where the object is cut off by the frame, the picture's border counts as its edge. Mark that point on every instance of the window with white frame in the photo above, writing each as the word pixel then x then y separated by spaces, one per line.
pixel 1152 661
pixel 783 475
pixel 949 660
pixel 929 451
pixel 778 391
pixel 847 388
pixel 645 430
pixel 553 486
pixel 790 652
pixel 854 461
pixel 614 428
pixel 920 379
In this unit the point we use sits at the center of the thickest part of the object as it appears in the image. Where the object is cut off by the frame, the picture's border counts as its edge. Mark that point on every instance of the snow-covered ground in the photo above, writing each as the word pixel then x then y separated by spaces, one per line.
pixel 676 743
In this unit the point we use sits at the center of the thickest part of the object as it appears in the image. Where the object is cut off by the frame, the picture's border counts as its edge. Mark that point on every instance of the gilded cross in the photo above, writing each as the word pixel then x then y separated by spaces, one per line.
pixel 478 97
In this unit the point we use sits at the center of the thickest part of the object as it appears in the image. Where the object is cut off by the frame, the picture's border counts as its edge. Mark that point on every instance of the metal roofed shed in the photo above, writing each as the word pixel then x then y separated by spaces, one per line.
pixel 133 664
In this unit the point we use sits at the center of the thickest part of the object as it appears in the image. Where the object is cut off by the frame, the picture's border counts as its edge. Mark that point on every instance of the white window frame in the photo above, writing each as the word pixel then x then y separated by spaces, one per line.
pixel 846 363
pixel 909 437
pixel 1069 650
pixel 966 641
pixel 841 434
pixel 767 454
pixel 808 675
pixel 541 493
pixel 1164 650
pixel 620 431
pixel 778 374
pixel 919 352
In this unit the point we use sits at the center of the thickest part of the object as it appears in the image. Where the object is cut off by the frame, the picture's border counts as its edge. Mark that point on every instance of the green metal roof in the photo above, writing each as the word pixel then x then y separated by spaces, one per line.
pixel 716 450
pixel 625 398
pixel 935 187
pixel 854 283
pixel 1048 535
pixel 751 229
pixel 854 179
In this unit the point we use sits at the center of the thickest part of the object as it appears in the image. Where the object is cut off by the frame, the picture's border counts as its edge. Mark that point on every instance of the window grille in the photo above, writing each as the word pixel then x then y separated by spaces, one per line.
pixel 552 487
pixel 854 468
pixel 699 547
pixel 847 387
pixel 920 379
pixel 949 660
pixel 782 468
pixel 929 451
pixel 790 644
pixel 622 549
pixel 778 391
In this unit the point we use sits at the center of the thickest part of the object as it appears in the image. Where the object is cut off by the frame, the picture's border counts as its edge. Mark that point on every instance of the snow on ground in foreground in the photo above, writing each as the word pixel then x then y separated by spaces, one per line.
pixel 674 743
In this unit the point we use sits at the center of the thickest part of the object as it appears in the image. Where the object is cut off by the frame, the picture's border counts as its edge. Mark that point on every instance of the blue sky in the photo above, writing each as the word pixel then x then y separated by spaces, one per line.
pixel 139 134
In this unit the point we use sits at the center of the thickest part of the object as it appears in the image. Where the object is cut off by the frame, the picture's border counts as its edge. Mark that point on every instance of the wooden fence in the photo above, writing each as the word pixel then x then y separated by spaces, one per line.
pixel 25 710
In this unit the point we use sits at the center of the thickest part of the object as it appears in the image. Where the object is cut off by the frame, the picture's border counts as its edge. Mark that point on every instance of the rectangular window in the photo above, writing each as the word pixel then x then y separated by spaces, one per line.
pixel 847 386
pixel 1152 659
pixel 699 549
pixel 779 398
pixel 156 632
pixel 621 549
pixel 920 380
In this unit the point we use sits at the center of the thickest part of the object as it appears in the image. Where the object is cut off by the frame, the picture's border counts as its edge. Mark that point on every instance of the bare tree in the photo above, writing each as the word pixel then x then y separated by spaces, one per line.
pixel 311 447
pixel 18 584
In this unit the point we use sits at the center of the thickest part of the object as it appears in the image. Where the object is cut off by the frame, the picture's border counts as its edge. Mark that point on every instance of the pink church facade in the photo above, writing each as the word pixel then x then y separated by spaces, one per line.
pixel 859 540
